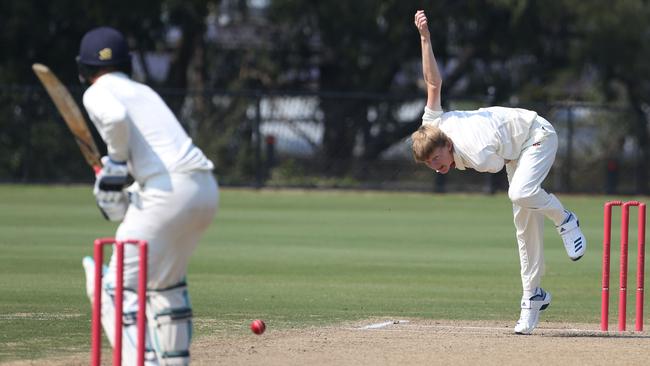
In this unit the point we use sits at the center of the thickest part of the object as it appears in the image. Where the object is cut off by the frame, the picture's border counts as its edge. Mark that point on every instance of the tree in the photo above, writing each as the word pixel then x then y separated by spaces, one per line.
pixel 615 39
pixel 491 51
pixel 372 47
pixel 50 32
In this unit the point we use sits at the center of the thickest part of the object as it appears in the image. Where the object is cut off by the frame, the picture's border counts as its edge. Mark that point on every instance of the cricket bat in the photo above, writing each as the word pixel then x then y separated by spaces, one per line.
pixel 71 114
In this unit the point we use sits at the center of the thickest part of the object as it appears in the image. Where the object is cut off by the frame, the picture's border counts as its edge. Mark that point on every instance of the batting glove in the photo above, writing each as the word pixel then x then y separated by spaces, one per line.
pixel 114 210
pixel 109 184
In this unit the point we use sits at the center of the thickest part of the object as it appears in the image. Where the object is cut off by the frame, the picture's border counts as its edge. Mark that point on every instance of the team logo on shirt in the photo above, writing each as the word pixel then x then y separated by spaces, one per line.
pixel 105 54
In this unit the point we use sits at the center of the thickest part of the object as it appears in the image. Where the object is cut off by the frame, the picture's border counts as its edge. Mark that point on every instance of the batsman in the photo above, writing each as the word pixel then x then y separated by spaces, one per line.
pixel 172 200
pixel 486 140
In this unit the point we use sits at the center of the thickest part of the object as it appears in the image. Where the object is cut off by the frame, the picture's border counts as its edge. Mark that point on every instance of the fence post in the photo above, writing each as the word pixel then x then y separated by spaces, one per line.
pixel 568 159
pixel 257 142
pixel 269 159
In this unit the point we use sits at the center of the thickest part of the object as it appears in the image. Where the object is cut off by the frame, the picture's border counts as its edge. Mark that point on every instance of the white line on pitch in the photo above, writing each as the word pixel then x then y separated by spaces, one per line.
pixel 384 324
pixel 461 328
pixel 539 329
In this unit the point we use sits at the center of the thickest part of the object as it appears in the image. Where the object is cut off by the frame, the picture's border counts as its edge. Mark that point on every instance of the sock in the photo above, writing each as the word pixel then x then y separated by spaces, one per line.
pixel 567 216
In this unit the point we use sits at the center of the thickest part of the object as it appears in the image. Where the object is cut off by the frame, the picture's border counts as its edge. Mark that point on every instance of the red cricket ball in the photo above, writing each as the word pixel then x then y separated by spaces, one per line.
pixel 258 327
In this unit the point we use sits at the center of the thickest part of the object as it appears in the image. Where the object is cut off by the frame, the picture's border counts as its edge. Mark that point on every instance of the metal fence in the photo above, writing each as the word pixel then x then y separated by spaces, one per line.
pixel 319 140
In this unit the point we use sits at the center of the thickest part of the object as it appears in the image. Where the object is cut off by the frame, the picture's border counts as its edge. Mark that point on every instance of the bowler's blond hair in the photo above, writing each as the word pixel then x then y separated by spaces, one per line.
pixel 425 140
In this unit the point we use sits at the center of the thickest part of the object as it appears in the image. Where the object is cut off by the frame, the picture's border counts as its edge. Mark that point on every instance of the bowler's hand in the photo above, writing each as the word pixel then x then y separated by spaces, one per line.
pixel 421 24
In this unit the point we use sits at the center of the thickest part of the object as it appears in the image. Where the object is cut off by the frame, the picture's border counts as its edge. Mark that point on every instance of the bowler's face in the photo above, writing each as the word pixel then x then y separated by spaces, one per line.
pixel 441 160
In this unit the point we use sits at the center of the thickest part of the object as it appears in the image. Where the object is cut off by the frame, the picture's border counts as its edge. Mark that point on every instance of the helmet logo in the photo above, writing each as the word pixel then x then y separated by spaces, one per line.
pixel 105 54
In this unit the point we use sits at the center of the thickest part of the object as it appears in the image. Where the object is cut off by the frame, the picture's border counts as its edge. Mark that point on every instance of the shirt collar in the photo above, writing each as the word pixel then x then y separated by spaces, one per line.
pixel 458 160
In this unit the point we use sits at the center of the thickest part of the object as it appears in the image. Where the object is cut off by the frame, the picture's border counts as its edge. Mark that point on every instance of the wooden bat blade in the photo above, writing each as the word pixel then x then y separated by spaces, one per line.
pixel 71 114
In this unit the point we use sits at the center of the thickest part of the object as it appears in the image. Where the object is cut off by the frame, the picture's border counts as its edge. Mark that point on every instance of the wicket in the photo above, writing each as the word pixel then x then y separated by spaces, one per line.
pixel 622 299
pixel 119 291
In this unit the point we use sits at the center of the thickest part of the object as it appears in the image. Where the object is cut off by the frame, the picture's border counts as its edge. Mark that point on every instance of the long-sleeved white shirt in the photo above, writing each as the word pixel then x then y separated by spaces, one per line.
pixel 138 127
pixel 486 138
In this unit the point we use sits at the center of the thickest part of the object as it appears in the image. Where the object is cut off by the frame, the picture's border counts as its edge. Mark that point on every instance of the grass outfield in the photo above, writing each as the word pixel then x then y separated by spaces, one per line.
pixel 297 259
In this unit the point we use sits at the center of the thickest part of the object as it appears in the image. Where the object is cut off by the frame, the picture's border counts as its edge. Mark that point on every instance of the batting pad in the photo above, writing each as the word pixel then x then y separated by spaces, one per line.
pixel 169 314
pixel 129 325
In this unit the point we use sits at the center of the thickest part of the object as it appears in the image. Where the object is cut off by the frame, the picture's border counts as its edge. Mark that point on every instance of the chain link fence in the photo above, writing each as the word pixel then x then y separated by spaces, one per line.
pixel 319 140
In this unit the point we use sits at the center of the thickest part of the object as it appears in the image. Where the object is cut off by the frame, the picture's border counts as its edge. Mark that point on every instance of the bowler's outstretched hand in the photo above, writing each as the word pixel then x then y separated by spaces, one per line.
pixel 421 24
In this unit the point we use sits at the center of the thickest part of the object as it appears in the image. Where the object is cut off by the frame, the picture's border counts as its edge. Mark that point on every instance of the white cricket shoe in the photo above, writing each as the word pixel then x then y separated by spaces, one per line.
pixel 530 309
pixel 89 268
pixel 575 242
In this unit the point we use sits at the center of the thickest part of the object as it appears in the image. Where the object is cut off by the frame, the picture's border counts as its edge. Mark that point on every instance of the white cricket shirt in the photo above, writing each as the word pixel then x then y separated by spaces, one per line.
pixel 138 127
pixel 484 139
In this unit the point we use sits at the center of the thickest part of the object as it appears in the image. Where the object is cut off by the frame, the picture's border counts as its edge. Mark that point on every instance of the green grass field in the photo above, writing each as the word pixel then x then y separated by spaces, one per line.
pixel 296 259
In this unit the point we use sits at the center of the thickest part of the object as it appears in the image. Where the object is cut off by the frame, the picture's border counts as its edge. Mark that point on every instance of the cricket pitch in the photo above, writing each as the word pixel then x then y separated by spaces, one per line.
pixel 414 342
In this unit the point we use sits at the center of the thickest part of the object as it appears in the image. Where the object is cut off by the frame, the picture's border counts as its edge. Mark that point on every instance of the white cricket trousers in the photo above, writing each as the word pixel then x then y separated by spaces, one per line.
pixel 170 212
pixel 531 203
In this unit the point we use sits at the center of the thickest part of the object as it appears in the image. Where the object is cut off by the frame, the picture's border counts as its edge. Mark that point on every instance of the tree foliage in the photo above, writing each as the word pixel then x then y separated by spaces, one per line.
pixel 492 51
